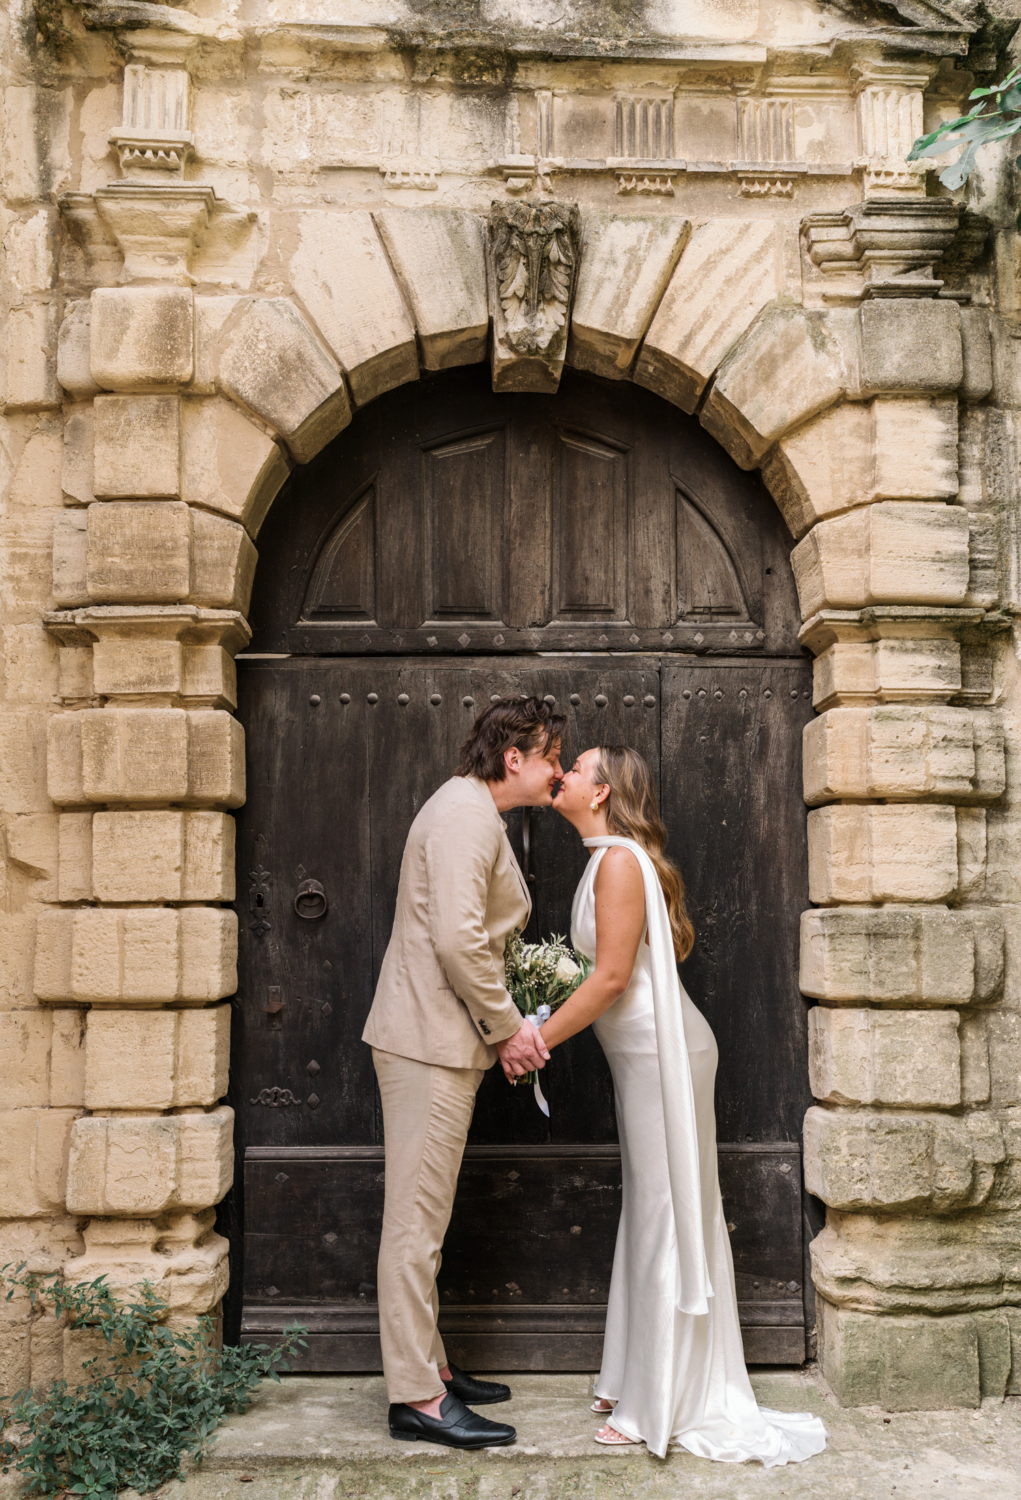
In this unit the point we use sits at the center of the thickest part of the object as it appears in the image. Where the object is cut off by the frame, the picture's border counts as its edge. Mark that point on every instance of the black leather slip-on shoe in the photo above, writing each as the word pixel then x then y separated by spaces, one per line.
pixel 456 1426
pixel 475 1392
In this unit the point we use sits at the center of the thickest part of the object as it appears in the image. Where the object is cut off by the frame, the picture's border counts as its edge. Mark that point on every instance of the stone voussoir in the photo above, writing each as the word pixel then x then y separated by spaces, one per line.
pixel 857 453
pixel 890 552
pixel 627 261
pixel 272 364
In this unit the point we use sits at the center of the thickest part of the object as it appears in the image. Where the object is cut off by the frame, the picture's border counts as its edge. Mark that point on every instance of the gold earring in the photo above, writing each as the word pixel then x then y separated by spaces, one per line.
pixel 593 805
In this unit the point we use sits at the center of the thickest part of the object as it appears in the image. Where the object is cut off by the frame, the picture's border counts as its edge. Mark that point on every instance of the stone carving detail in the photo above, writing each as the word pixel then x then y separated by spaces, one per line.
pixel 765 141
pixel 154 135
pixel 882 247
pixel 890 121
pixel 533 260
pixel 765 130
pixel 644 128
pixel 654 183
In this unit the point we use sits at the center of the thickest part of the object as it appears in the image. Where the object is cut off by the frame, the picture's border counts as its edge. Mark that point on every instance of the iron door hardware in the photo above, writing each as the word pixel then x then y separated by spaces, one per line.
pixel 310 901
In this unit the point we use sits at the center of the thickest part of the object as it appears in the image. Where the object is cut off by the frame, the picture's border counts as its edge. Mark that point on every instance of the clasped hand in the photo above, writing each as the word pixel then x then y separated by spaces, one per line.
pixel 523 1052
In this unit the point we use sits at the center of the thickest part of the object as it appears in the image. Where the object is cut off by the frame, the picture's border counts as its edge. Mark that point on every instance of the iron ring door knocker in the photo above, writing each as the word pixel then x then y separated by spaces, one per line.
pixel 310 901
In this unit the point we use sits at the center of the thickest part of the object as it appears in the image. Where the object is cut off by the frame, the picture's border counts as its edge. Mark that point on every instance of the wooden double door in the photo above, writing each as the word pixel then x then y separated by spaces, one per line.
pixel 349 733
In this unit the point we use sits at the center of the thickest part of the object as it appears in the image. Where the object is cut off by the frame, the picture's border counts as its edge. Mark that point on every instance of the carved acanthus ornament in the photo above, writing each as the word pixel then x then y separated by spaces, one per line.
pixel 533 260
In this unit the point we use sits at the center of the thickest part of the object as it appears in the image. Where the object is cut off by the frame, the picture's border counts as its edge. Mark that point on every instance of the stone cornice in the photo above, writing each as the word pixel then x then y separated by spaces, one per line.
pixel 937 30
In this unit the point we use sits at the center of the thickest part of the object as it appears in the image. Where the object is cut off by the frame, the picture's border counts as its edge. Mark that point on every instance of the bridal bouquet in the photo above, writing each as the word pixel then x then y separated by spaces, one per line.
pixel 540 977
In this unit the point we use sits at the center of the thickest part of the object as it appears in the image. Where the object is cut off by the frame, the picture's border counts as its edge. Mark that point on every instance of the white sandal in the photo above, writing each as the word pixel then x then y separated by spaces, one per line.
pixel 600 1409
pixel 618 1440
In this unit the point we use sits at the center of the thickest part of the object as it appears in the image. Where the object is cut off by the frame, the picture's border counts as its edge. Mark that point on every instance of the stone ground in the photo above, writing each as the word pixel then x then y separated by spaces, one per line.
pixel 324 1438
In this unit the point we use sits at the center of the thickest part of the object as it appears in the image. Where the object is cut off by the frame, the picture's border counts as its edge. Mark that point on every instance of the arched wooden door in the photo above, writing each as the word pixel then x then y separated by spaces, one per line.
pixel 599 548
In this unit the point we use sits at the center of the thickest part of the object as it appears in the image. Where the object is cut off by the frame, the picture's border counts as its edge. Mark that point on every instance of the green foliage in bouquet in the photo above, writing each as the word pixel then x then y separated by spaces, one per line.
pixel 152 1396
pixel 541 973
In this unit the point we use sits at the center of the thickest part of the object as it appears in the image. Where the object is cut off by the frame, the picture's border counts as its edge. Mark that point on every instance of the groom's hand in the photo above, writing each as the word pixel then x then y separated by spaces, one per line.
pixel 523 1052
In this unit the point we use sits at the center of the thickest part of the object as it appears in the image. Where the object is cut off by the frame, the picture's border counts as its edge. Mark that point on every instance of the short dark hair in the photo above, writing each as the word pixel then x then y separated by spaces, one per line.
pixel 525 724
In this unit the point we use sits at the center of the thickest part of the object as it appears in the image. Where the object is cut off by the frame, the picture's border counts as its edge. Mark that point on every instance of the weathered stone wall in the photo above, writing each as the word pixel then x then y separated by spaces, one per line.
pixel 224 234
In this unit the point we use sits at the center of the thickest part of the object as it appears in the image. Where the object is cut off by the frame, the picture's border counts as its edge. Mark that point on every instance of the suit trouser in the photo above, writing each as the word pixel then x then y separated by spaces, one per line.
pixel 426 1114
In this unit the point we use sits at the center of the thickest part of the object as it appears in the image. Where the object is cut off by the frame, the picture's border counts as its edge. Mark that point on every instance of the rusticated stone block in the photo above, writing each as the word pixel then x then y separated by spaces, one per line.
pixel 341 273
pixel 179 1254
pixel 788 367
pixel 726 276
pixel 143 337
pixel 156 1059
pixel 137 453
pixel 161 856
pixel 42 1058
pixel 73 370
pixel 145 1165
pixel 884 671
pixel 900 1163
pixel 893 552
pixel 900 1363
pixel 900 750
pixel 856 454
pixel 139 552
pixel 626 263
pixel 142 955
pixel 901 955
pixel 29 365
pixel 272 363
pixel 439 257
pixel 146 755
pixel 25 1058
pixel 899 852
pixel 70 558
pixel 76 469
pixel 33 1164
pixel 229 464
pixel 906 1059
pixel 911 344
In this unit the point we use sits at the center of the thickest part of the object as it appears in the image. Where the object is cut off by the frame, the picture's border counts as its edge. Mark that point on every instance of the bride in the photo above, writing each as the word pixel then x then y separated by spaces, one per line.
pixel 673 1367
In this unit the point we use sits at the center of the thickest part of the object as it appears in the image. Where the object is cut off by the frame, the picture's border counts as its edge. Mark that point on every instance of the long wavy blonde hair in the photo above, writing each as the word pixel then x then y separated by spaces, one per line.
pixel 631 813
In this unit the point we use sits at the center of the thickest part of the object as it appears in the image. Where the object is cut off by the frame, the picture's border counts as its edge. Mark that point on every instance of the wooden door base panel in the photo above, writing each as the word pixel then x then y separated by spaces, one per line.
pixel 548 1337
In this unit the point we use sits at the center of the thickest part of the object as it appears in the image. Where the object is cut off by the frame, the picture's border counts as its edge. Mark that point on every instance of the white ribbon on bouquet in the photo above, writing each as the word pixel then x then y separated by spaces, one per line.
pixel 541 1015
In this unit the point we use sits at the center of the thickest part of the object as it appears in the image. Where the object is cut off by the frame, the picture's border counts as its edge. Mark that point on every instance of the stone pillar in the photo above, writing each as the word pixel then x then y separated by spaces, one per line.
pixel 914 1042
pixel 134 952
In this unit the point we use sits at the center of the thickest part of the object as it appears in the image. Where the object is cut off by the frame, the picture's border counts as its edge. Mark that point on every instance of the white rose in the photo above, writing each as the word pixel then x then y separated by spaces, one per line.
pixel 567 969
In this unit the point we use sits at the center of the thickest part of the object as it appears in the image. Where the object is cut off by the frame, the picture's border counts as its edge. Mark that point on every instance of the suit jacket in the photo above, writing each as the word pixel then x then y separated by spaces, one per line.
pixel 441 996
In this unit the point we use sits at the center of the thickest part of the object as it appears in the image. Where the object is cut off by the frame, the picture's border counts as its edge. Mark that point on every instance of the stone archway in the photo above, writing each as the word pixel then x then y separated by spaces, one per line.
pixel 191 410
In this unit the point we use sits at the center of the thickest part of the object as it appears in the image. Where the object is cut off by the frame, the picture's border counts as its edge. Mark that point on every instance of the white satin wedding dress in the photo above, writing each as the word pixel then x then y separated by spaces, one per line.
pixel 672 1355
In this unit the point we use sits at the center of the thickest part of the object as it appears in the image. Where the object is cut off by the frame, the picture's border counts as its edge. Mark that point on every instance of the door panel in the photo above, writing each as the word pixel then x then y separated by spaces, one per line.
pixel 383 735
pixel 518 522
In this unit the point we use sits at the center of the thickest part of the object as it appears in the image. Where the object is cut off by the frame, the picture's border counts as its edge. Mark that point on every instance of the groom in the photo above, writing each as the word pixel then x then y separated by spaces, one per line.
pixel 440 1017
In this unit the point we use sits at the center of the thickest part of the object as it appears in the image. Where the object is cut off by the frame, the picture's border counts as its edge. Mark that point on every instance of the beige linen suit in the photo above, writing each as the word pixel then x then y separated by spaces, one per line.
pixel 440 1008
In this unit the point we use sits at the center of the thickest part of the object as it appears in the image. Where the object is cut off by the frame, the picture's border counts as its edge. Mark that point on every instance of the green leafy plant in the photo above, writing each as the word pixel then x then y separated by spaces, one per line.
pixel 149 1398
pixel 995 117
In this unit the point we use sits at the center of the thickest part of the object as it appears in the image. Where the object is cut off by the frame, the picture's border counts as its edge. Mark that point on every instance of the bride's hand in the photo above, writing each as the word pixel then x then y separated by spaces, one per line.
pixel 523 1052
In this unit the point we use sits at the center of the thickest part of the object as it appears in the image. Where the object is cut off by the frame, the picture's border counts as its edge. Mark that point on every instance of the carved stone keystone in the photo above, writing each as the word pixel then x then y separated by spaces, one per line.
pixel 533 261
